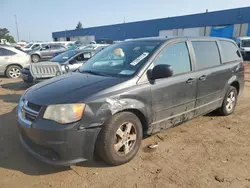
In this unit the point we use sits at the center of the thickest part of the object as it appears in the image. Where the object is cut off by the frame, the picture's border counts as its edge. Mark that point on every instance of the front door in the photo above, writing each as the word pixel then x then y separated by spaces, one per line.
pixel 173 99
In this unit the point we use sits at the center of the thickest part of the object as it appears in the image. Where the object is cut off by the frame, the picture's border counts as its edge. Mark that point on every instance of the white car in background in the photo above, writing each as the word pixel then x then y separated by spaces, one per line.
pixel 12 61
pixel 244 45
pixel 31 46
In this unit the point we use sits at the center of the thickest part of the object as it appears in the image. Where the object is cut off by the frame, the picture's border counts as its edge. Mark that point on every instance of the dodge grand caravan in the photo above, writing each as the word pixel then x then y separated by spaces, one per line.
pixel 128 90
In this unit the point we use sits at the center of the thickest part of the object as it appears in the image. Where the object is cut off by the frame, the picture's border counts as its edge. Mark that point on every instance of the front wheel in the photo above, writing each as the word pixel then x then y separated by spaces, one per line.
pixel 229 102
pixel 119 139
pixel 35 58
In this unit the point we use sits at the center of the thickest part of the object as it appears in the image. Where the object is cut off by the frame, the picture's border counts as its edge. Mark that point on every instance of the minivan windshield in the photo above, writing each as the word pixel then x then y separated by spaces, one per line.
pixel 121 59
pixel 63 57
pixel 245 43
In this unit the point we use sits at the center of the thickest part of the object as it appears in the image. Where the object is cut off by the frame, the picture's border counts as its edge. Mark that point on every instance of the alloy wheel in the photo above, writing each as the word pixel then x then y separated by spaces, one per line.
pixel 125 138
pixel 231 99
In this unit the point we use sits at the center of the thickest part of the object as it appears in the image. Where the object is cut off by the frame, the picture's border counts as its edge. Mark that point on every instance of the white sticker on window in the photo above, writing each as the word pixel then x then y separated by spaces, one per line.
pixel 87 55
pixel 65 57
pixel 140 58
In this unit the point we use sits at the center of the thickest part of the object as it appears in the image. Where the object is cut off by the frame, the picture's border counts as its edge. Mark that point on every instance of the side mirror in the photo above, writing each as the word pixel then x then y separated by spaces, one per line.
pixel 72 61
pixel 160 71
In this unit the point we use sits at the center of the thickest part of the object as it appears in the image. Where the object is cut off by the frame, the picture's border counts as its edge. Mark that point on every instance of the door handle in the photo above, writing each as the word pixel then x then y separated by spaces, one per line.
pixel 203 77
pixel 190 81
pixel 6 58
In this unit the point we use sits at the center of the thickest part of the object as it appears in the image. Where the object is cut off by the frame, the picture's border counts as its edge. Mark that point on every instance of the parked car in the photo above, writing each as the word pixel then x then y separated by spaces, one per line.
pixel 45 52
pixel 244 45
pixel 128 90
pixel 95 47
pixel 12 61
pixel 72 58
pixel 31 46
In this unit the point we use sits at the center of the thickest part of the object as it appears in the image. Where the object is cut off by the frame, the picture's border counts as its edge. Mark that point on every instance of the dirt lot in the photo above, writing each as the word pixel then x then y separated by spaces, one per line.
pixel 209 151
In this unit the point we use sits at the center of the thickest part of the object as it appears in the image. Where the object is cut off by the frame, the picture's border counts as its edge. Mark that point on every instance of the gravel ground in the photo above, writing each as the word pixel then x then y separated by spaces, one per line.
pixel 209 151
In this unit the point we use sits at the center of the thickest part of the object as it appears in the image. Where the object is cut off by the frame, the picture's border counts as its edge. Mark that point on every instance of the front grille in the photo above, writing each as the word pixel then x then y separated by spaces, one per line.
pixel 45 70
pixel 30 111
pixel 34 107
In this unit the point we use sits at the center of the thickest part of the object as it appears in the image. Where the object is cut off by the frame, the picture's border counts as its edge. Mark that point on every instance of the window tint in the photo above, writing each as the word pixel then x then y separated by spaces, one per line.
pixel 177 56
pixel 206 53
pixel 230 51
pixel 5 52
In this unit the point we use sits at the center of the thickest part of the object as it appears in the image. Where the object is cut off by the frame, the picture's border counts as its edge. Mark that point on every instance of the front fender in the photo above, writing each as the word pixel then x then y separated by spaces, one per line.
pixel 111 106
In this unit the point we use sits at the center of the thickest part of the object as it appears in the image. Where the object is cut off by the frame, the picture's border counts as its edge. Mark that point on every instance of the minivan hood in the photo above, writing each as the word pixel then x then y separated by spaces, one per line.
pixel 68 88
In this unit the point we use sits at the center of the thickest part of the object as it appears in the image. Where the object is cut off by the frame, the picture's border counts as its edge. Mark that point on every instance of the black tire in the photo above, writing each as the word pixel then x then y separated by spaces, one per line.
pixel 105 144
pixel 35 58
pixel 14 71
pixel 224 110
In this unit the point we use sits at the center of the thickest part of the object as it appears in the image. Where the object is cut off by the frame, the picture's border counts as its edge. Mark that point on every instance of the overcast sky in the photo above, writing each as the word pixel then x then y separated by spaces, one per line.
pixel 40 18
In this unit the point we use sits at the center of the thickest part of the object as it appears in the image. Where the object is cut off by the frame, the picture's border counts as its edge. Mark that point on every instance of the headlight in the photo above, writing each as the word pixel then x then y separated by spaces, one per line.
pixel 64 113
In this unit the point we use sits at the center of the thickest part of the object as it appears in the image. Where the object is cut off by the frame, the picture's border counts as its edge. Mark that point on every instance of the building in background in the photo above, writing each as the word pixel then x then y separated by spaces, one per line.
pixel 226 23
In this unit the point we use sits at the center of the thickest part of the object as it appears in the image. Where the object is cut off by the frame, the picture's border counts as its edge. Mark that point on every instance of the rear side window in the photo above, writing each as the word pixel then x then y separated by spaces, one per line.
pixel 206 53
pixel 5 52
pixel 230 51
pixel 177 56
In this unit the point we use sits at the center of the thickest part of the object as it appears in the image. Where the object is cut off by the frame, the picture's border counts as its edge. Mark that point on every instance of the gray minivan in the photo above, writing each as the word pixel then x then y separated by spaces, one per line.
pixel 129 90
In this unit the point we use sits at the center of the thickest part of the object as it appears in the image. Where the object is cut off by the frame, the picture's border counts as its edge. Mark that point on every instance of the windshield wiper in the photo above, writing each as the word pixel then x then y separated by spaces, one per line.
pixel 93 72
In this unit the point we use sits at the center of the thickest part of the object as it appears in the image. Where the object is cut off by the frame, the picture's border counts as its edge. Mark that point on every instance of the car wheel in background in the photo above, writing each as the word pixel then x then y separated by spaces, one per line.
pixel 13 71
pixel 229 102
pixel 120 139
pixel 35 58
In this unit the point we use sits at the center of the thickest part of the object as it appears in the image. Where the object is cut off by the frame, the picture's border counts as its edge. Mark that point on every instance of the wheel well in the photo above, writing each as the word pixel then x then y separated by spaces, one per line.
pixel 141 117
pixel 36 54
pixel 12 65
pixel 236 85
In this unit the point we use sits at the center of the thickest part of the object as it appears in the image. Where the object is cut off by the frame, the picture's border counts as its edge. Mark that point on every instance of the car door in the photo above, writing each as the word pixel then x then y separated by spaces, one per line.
pixel 45 52
pixel 212 76
pixel 173 98
pixel 56 49
pixel 5 59
pixel 78 60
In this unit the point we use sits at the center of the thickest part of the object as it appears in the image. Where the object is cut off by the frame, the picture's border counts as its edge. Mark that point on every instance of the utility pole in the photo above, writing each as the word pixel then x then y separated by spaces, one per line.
pixel 16 28
pixel 29 37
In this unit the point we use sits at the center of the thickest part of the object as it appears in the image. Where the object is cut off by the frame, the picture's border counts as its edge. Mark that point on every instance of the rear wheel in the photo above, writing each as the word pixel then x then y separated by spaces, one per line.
pixel 229 102
pixel 13 72
pixel 119 139
pixel 35 58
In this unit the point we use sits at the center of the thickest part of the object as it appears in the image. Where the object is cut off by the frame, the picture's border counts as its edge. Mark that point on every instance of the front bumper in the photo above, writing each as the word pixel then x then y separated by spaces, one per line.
pixel 54 146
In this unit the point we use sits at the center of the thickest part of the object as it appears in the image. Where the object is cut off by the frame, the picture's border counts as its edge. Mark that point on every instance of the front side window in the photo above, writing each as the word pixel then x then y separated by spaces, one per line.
pixel 177 56
pixel 63 57
pixel 206 53
pixel 5 52
pixel 230 51
pixel 121 59
pixel 83 57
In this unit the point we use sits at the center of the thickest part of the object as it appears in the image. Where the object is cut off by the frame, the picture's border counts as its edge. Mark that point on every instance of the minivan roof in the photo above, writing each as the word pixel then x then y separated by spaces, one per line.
pixel 174 38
